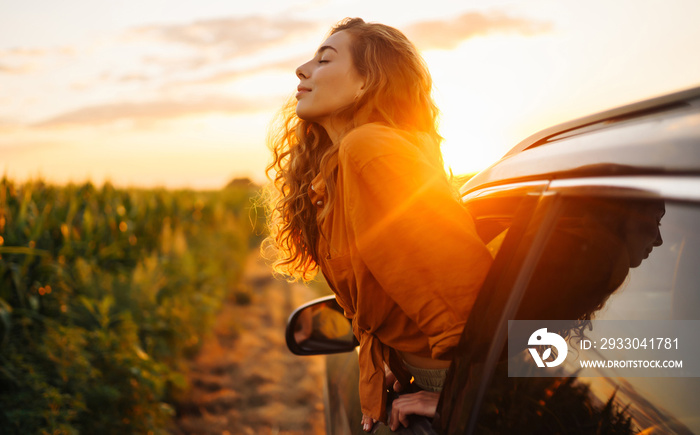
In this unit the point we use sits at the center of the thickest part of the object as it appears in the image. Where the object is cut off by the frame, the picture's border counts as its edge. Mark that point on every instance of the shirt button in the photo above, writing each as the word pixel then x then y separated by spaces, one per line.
pixel 312 188
pixel 319 202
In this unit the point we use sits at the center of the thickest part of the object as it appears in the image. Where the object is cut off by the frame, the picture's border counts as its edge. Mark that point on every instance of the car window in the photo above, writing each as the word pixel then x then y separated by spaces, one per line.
pixel 494 210
pixel 606 257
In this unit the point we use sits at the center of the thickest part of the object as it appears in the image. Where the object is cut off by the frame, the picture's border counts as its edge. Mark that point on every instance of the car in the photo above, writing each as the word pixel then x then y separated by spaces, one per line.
pixel 595 220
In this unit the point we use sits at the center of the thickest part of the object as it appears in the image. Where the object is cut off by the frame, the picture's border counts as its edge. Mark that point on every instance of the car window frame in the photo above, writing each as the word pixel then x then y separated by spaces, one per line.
pixel 451 406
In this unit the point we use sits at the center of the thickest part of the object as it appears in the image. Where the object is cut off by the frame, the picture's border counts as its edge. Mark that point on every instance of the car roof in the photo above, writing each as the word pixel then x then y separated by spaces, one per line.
pixel 655 136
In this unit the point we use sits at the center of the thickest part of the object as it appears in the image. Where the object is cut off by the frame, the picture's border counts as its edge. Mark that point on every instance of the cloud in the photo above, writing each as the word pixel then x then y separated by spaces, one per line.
pixel 20 61
pixel 287 65
pixel 7 124
pixel 18 70
pixel 133 77
pixel 22 52
pixel 235 36
pixel 15 60
pixel 448 34
pixel 182 49
pixel 186 63
pixel 152 111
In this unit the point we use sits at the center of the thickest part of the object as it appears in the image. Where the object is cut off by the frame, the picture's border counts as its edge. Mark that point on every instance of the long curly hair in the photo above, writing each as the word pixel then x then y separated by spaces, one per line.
pixel 397 93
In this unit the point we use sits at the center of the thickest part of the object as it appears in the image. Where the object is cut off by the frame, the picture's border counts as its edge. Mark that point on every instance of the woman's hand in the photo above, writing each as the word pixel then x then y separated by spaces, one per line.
pixel 367 423
pixel 420 403
pixel 390 380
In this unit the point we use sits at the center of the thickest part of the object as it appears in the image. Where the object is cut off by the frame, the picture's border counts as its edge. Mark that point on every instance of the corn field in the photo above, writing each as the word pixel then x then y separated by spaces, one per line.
pixel 104 293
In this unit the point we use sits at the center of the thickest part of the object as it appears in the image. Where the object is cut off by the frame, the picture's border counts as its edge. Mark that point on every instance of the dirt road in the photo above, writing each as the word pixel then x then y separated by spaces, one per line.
pixel 244 379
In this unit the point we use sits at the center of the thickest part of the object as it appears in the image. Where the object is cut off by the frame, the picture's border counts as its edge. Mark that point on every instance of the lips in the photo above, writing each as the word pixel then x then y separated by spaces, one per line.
pixel 301 90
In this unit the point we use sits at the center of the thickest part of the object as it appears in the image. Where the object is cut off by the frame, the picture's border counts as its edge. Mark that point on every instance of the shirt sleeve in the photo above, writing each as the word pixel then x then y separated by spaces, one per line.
pixel 415 238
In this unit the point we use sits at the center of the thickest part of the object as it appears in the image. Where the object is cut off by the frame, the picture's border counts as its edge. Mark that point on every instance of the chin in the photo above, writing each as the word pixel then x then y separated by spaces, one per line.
pixel 301 114
pixel 304 108
pixel 306 117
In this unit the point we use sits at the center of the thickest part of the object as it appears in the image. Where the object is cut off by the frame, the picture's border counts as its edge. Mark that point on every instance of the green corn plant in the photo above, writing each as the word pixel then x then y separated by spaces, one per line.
pixel 104 292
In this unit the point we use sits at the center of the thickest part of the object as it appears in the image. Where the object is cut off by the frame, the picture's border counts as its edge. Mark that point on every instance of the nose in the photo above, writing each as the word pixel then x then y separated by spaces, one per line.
pixel 659 241
pixel 301 73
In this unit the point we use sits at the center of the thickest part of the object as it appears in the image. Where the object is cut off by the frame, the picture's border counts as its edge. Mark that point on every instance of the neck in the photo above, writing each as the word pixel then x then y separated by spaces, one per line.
pixel 334 130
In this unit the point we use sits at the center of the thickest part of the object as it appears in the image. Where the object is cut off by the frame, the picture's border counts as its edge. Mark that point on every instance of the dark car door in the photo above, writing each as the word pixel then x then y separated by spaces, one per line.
pixel 623 248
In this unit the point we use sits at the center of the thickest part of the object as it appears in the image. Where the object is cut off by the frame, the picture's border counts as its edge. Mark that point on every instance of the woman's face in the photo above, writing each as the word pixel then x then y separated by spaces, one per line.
pixel 642 232
pixel 328 82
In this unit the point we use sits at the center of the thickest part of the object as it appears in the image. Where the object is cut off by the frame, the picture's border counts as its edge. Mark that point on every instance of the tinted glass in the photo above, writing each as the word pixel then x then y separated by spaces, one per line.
pixel 494 211
pixel 606 259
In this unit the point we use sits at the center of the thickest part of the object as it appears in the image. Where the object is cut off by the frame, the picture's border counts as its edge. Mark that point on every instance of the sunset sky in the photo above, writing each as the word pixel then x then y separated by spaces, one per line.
pixel 180 93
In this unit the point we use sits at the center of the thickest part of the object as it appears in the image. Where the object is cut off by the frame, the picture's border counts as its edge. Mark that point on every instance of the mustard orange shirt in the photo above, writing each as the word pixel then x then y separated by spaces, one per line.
pixel 399 251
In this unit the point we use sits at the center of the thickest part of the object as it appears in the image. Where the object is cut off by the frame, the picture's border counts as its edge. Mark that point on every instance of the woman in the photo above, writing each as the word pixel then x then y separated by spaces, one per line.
pixel 361 193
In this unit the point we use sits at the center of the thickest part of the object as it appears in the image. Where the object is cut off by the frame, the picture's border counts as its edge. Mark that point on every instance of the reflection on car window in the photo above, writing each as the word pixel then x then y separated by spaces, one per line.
pixel 606 259
pixel 593 245
pixel 666 285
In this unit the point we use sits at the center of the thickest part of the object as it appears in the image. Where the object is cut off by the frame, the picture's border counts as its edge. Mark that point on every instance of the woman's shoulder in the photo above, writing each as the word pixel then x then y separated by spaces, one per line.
pixel 373 140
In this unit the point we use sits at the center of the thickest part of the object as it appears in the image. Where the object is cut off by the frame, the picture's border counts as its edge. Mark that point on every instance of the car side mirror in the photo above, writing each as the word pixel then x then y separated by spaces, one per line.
pixel 319 328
